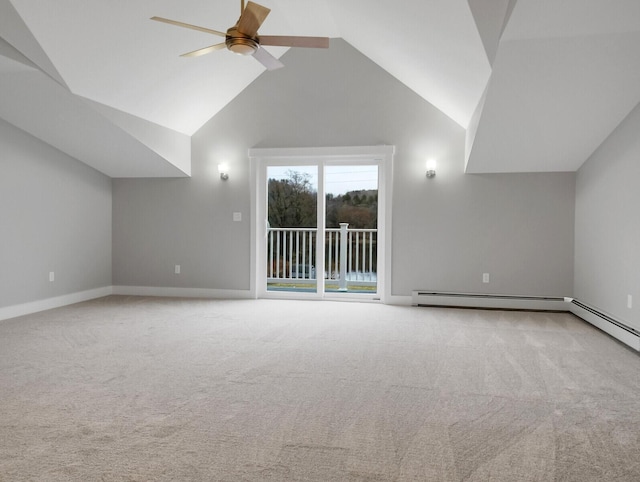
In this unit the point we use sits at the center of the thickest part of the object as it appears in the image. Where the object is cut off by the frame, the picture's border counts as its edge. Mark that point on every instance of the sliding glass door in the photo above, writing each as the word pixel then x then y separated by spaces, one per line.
pixel 320 225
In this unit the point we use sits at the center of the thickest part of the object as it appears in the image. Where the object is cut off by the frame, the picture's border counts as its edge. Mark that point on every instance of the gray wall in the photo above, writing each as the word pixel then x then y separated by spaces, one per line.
pixel 607 254
pixel 446 231
pixel 55 215
pixel 516 227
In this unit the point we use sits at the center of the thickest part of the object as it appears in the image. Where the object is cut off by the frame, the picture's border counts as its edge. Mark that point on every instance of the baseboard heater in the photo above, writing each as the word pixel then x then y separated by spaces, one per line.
pixel 476 300
pixel 619 330
pixel 626 334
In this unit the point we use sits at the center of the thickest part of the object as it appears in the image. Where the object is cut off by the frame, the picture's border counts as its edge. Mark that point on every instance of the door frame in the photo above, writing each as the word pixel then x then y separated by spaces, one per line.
pixel 261 157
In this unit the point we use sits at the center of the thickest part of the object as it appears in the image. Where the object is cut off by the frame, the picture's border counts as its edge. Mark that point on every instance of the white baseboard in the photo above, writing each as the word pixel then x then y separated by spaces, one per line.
pixel 399 300
pixel 601 320
pixel 182 292
pixel 55 302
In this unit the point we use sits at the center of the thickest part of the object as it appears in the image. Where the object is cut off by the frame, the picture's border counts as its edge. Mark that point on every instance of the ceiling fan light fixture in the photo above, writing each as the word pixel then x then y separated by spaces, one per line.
pixel 242 49
pixel 241 45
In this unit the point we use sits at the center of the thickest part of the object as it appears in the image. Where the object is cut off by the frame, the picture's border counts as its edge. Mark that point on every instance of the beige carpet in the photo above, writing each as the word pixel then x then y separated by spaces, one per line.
pixel 142 389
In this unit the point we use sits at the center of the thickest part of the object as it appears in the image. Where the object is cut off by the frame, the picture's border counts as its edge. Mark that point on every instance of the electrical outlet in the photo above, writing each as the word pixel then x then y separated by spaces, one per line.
pixel 177 271
pixel 237 217
pixel 485 277
pixel 629 301
pixel 52 276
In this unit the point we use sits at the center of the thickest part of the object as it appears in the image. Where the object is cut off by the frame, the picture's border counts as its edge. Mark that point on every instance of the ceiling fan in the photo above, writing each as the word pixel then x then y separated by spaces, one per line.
pixel 243 37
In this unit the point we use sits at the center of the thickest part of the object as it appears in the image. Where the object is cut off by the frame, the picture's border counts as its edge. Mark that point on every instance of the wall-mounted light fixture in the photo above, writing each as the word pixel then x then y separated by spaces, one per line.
pixel 431 168
pixel 223 169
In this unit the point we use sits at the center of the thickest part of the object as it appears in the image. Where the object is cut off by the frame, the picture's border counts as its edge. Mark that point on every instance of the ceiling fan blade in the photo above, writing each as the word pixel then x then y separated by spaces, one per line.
pixel 266 59
pixel 284 41
pixel 186 25
pixel 252 17
pixel 206 50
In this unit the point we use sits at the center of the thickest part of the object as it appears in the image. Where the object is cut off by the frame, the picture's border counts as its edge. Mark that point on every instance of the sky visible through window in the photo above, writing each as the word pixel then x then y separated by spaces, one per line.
pixel 338 179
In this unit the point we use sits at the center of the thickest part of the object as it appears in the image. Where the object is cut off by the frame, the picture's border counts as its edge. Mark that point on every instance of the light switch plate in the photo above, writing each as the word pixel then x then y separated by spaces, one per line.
pixel 237 217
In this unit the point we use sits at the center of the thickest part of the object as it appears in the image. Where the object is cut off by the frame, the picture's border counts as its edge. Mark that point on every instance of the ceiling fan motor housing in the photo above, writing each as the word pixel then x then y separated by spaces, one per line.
pixel 239 43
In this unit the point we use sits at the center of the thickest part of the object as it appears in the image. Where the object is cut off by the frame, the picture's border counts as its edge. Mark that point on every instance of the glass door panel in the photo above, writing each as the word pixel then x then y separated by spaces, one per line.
pixel 351 228
pixel 292 228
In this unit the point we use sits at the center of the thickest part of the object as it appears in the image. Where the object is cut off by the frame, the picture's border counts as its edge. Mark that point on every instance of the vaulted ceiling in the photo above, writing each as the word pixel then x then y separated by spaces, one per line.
pixel 538 84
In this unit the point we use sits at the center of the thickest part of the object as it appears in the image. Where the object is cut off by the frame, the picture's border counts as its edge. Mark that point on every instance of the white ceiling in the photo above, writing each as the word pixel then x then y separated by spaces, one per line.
pixel 565 75
pixel 539 83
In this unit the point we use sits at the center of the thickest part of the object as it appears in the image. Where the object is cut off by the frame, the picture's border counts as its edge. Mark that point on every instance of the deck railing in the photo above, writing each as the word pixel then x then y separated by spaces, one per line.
pixel 350 256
